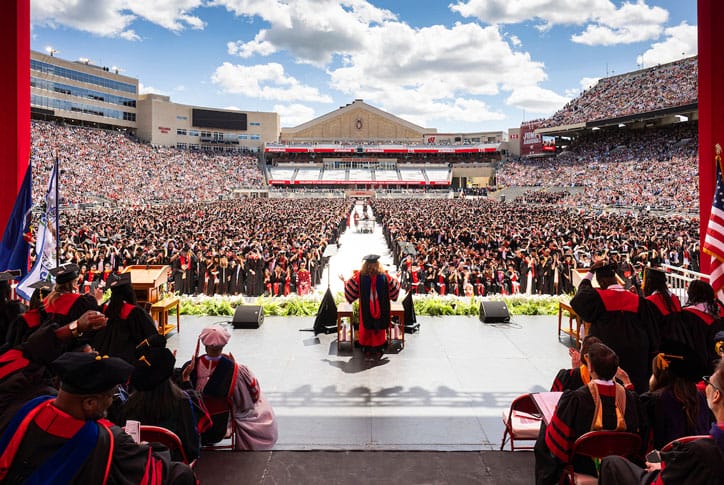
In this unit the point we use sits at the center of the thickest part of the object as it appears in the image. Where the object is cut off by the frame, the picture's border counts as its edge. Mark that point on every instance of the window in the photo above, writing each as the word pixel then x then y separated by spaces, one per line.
pixel 193 133
pixel 243 137
pixel 256 137
pixel 181 131
pixel 254 123
pixel 81 76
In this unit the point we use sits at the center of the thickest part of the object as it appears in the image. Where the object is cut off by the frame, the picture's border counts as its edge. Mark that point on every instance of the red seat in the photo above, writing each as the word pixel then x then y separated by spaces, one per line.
pixel 165 437
pixel 684 439
pixel 599 444
pixel 522 422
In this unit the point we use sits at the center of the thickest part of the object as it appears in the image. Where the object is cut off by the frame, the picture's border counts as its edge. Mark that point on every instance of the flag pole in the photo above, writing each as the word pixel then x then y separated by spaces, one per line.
pixel 57 210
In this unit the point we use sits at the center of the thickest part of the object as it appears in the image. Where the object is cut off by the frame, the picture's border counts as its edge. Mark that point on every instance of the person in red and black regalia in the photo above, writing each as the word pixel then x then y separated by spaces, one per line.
pixel 28 322
pixel 375 288
pixel 621 319
pixel 665 306
pixel 602 404
pixel 65 439
pixel 64 304
pixel 702 321
pixel 128 323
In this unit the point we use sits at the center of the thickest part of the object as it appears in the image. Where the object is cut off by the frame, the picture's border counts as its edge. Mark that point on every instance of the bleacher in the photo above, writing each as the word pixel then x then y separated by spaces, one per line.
pixel 438 176
pixel 412 175
pixel 310 174
pixel 388 176
pixel 360 175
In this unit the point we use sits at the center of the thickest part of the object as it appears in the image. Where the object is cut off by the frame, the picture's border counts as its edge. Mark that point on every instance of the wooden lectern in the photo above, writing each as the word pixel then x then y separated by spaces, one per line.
pixel 147 281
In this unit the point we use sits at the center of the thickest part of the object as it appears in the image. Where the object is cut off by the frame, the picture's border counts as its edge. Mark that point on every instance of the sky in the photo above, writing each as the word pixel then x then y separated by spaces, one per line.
pixel 457 66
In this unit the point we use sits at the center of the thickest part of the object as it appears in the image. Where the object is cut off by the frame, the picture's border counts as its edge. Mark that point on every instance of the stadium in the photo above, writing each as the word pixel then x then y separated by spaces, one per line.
pixel 237 214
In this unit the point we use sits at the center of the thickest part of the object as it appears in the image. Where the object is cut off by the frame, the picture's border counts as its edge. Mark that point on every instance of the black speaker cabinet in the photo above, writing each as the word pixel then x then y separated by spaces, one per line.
pixel 494 312
pixel 248 316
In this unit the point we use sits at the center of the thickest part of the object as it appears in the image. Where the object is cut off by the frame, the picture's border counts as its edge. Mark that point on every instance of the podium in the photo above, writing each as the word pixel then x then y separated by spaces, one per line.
pixel 147 280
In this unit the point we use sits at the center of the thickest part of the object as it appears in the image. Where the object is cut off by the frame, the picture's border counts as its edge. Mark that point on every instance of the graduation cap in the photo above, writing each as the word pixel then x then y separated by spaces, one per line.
pixel 719 342
pixel 607 270
pixel 89 373
pixel 152 368
pixel 680 360
pixel 654 276
pixel 42 286
pixel 116 280
pixel 11 274
pixel 65 273
pixel 371 258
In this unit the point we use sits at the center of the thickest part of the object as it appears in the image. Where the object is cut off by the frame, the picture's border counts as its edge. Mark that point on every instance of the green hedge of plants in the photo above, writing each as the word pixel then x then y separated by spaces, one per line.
pixel 425 305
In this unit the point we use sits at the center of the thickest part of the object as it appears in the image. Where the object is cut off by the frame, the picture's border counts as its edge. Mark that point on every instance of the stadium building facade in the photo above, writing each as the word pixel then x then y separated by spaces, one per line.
pixel 81 93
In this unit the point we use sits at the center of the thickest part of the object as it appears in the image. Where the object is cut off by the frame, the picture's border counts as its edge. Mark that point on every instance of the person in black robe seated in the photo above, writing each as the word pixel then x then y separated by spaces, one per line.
pixel 621 319
pixel 128 323
pixel 9 309
pixel 157 401
pixel 601 405
pixel 28 322
pixel 65 439
pixel 579 374
pixel 674 406
pixel 698 462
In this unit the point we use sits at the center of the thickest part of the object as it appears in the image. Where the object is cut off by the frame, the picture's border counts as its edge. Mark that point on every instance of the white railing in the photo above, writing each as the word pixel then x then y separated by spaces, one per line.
pixel 679 278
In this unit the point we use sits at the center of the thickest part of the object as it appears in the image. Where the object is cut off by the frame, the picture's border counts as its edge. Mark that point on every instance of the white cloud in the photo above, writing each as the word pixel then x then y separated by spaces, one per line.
pixel 536 100
pixel 143 89
pixel 588 82
pixel 313 30
pixel 606 24
pixel 111 18
pixel 264 81
pixel 293 114
pixel 681 41
pixel 436 72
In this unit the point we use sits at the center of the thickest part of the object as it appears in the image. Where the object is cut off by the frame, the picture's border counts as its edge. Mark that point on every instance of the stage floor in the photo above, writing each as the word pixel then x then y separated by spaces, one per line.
pixel 446 391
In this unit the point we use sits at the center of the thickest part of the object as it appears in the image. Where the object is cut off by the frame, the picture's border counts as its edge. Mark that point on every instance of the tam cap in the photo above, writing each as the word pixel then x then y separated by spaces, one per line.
pixel 605 270
pixel 680 360
pixel 371 258
pixel 89 373
pixel 117 280
pixel 65 273
pixel 42 286
pixel 153 368
pixel 11 274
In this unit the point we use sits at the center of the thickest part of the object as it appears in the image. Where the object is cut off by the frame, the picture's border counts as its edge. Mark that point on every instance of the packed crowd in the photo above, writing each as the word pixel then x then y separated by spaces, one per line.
pixel 653 167
pixel 667 86
pixel 480 247
pixel 247 246
pixel 99 165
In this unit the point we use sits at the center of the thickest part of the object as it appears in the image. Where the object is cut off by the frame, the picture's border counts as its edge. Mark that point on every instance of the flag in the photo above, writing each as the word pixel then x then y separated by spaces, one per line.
pixel 45 241
pixel 714 238
pixel 14 247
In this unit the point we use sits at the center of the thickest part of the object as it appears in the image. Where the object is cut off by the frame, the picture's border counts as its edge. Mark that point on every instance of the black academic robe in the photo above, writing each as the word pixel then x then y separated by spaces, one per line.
pixel 569 380
pixel 622 320
pixel 69 307
pixel 667 419
pixel 124 332
pixel 113 458
pixel 573 418
pixel 701 328
pixel 8 314
pixel 667 320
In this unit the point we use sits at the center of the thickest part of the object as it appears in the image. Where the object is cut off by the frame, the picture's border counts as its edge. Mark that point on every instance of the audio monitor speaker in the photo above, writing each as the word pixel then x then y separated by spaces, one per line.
pixel 248 316
pixel 494 312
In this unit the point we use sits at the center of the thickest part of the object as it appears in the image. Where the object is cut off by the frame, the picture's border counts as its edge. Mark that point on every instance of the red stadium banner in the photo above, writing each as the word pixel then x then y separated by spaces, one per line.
pixel 531 143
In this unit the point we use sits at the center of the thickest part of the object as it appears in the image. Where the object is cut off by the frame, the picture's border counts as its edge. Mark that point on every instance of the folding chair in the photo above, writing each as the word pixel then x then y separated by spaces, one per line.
pixel 167 438
pixel 522 422
pixel 599 444
pixel 219 409
pixel 684 439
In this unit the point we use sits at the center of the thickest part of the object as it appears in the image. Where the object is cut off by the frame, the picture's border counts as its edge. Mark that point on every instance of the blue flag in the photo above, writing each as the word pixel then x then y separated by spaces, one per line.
pixel 14 248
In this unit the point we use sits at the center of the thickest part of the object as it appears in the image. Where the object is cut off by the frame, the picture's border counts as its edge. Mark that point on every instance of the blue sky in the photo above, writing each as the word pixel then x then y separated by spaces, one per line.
pixel 458 66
